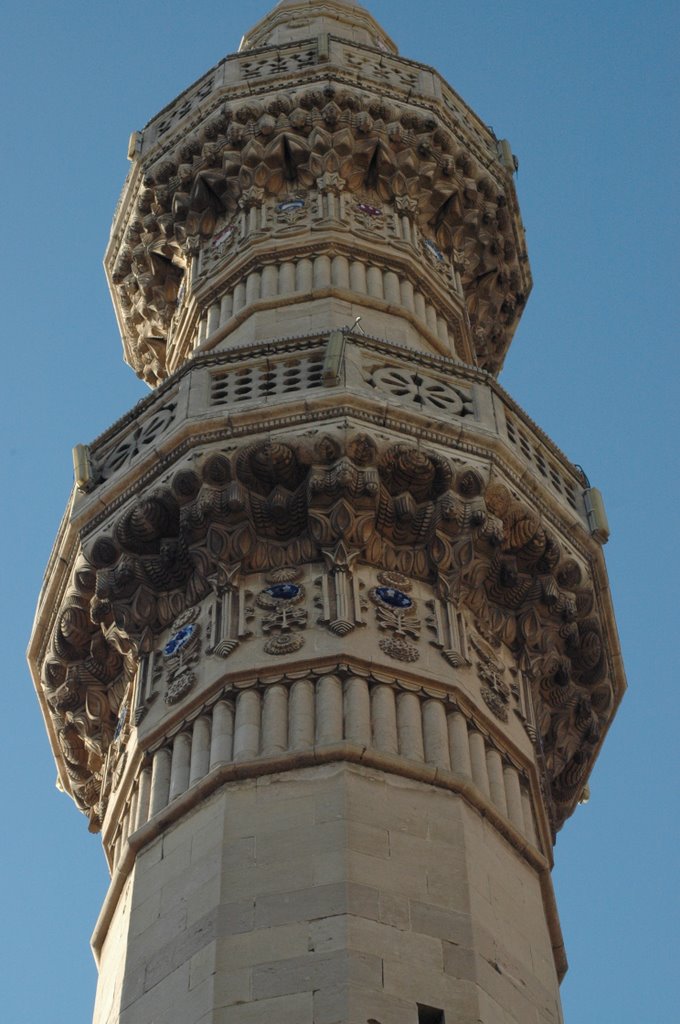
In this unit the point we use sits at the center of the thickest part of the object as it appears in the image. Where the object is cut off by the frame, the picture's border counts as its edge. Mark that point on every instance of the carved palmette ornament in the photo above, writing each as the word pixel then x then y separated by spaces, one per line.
pixel 448 625
pixel 227 612
pixel 285 618
pixel 396 615
pixel 340 591
pixel 181 654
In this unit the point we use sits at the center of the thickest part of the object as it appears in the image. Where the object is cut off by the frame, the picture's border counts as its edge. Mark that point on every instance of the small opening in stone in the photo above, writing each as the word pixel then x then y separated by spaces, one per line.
pixel 430 1015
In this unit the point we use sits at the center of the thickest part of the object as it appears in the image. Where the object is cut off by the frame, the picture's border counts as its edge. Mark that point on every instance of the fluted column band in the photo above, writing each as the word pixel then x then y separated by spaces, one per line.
pixel 258 722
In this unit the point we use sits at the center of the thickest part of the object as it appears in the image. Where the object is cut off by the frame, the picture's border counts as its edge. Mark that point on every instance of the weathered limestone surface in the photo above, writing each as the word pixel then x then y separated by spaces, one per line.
pixel 332 894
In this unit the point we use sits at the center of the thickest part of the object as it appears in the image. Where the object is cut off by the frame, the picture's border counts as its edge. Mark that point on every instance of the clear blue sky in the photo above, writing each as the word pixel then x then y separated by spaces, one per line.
pixel 588 95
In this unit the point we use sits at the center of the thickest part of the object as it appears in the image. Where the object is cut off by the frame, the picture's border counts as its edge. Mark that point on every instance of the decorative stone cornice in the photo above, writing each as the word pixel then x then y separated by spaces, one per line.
pixel 339 498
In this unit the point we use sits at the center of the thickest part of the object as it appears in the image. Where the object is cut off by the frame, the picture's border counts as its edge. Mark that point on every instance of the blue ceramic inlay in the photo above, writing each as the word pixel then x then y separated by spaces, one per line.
pixel 435 250
pixel 121 722
pixel 283 591
pixel 179 639
pixel 369 210
pixel 395 598
pixel 290 204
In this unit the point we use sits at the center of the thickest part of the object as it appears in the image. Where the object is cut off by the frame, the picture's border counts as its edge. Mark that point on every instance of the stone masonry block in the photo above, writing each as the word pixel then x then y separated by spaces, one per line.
pixel 233 987
pixel 202 965
pixel 180 949
pixel 430 919
pixel 368 1004
pixel 155 937
pixel 316 971
pixel 287 845
pixel 159 1002
pixel 386 803
pixel 266 945
pixel 329 933
pixel 235 918
pixel 432 988
pixel 260 880
pixel 203 900
pixel 294 1009
pixel 321 901
pixel 413 949
pixel 388 875
pixel 330 867
pixel 367 839
pixel 459 961
pixel 182 888
pixel 145 914
pixel 447 885
pixel 394 910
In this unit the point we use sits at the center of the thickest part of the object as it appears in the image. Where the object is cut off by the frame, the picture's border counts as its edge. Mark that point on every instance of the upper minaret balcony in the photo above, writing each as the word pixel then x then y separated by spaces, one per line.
pixel 317 169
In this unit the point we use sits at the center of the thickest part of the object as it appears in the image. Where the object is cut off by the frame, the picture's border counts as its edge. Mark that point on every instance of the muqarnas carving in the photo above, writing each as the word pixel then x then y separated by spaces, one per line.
pixel 333 497
pixel 362 157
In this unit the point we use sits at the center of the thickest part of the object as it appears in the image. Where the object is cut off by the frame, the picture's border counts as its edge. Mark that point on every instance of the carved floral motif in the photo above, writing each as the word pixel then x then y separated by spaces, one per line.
pixel 180 655
pixel 396 615
pixel 285 618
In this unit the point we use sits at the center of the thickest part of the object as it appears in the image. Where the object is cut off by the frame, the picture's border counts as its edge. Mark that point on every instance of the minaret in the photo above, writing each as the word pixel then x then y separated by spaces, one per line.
pixel 325 648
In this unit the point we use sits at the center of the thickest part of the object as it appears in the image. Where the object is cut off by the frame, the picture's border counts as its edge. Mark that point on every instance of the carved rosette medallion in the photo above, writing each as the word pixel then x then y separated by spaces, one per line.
pixel 180 656
pixel 285 618
pixel 396 615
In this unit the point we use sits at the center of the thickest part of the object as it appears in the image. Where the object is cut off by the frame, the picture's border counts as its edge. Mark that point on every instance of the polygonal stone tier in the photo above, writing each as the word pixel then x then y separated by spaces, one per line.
pixel 317 168
pixel 271 535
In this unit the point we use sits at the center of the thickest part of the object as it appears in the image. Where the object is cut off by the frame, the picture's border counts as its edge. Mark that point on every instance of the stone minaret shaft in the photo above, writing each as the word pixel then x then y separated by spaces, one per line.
pixel 325 648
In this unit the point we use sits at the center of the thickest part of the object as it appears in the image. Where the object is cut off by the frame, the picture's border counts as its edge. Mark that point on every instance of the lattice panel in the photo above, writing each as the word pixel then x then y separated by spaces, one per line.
pixel 543 464
pixel 252 383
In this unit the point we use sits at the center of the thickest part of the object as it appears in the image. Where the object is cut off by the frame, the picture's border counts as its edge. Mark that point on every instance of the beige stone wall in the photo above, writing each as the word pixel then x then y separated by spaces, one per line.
pixel 331 895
